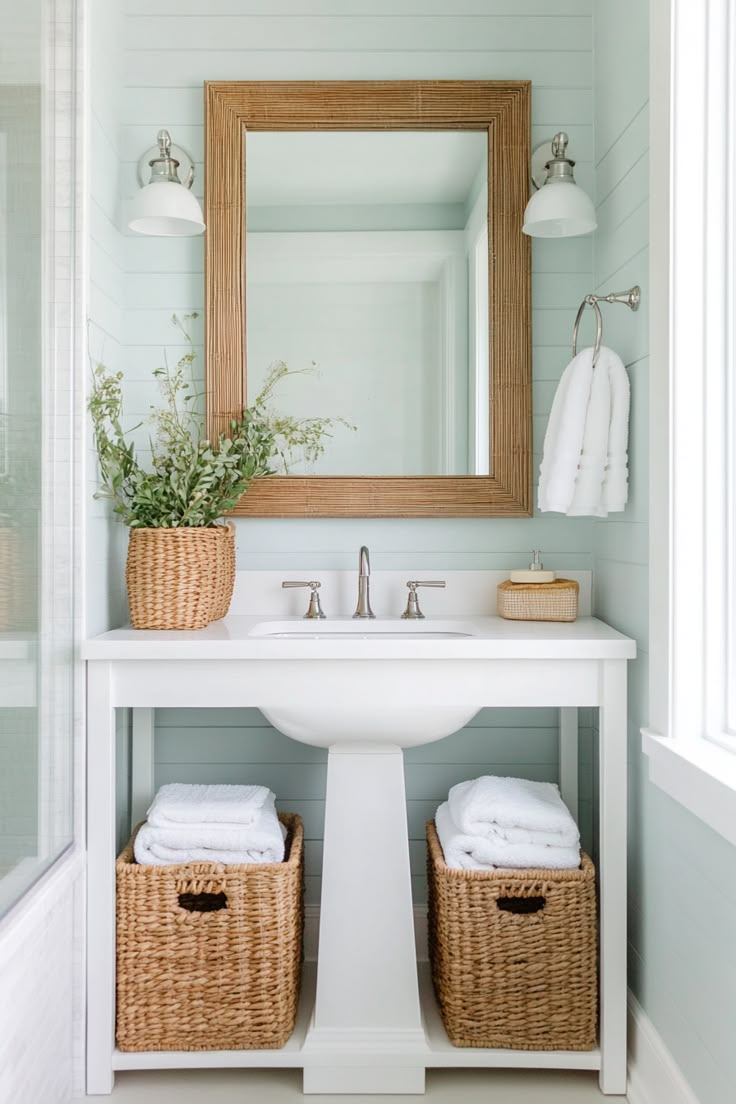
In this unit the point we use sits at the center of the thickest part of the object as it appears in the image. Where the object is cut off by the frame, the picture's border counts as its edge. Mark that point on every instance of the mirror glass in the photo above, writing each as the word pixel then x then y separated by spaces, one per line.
pixel 367 275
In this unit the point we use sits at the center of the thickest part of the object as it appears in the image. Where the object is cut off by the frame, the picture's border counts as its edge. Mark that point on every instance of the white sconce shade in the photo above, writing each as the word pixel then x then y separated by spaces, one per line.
pixel 559 209
pixel 165 207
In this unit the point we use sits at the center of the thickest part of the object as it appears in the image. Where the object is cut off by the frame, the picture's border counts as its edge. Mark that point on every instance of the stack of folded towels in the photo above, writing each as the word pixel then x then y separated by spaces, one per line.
pixel 222 824
pixel 494 822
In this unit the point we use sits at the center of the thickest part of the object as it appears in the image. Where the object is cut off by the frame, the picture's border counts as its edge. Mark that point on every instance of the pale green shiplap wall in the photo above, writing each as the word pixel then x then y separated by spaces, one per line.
pixel 682 876
pixel 172 46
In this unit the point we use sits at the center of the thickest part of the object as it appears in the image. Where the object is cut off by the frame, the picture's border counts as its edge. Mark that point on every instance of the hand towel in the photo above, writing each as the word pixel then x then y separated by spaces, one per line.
pixel 513 810
pixel 474 852
pixel 260 842
pixel 180 804
pixel 616 478
pixel 584 469
pixel 563 441
pixel 587 493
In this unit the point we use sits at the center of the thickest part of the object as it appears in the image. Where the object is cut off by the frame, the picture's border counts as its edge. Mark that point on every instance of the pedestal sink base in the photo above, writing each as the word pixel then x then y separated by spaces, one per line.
pixel 367 990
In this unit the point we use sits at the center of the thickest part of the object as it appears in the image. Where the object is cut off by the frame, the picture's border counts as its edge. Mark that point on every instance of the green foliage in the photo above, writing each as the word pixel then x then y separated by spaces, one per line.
pixel 191 481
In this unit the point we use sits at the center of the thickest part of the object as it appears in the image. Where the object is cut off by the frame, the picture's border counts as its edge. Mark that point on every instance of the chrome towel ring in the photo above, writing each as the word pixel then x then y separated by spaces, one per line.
pixel 630 298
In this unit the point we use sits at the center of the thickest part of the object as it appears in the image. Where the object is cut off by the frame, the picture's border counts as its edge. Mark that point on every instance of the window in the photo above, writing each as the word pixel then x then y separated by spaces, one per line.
pixel 691 741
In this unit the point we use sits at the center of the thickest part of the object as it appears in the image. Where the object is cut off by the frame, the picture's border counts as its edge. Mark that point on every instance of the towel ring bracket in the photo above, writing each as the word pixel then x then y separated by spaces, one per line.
pixel 630 298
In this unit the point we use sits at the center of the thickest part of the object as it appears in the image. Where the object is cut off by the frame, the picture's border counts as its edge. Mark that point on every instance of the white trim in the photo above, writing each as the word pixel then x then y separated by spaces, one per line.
pixel 654 1076
pixel 701 776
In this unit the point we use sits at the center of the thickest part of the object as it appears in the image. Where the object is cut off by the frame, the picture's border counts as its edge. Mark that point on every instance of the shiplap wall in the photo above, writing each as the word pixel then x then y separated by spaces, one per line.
pixel 682 875
pixel 172 46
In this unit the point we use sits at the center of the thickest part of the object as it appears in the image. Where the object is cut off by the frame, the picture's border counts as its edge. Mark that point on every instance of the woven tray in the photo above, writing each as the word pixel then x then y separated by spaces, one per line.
pixel 209 955
pixel 513 954
pixel 556 601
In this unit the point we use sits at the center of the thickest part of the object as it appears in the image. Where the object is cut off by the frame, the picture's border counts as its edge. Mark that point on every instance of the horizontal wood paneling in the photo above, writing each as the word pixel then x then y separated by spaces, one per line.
pixel 364 33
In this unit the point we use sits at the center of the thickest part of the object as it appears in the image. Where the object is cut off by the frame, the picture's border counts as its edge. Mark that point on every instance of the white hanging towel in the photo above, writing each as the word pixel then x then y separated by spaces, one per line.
pixel 616 479
pixel 563 441
pixel 513 811
pixel 180 803
pixel 584 469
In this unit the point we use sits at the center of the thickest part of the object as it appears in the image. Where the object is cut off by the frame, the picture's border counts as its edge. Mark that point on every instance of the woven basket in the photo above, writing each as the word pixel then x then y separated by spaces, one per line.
pixel 209 955
pixel 555 601
pixel 180 578
pixel 513 954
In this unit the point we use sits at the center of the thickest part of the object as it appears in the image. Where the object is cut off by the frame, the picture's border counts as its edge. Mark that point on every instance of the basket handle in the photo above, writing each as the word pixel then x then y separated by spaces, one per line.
pixel 521 905
pixel 202 902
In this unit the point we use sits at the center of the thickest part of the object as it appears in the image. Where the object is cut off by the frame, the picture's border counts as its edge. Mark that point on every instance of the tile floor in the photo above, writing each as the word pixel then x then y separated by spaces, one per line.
pixel 284 1087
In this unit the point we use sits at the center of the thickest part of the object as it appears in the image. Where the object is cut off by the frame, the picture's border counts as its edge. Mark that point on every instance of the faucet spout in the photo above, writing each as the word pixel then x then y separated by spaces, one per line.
pixel 363 609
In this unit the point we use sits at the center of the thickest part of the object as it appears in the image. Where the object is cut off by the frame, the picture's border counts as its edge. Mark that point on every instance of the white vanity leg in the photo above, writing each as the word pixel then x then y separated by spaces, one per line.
pixel 142 761
pixel 100 879
pixel 569 759
pixel 367 1034
pixel 612 867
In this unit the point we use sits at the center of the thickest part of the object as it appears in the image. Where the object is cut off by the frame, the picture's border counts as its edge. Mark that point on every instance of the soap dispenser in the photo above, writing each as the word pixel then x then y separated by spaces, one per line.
pixel 535 573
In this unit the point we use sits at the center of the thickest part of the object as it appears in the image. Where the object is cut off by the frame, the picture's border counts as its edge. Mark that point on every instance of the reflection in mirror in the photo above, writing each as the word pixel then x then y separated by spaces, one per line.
pixel 367 273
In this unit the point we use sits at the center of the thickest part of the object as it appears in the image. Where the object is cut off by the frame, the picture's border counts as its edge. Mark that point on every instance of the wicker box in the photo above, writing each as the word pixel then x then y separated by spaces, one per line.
pixel 555 601
pixel 208 954
pixel 513 954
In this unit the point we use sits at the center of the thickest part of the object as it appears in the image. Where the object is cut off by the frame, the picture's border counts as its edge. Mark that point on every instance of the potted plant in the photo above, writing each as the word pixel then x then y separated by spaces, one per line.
pixel 180 567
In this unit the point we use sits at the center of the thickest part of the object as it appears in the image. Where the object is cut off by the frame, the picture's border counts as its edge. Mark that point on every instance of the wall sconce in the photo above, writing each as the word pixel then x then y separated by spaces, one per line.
pixel 559 208
pixel 164 206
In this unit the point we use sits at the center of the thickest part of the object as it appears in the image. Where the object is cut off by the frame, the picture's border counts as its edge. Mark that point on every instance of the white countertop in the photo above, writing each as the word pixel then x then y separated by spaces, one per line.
pixel 493 638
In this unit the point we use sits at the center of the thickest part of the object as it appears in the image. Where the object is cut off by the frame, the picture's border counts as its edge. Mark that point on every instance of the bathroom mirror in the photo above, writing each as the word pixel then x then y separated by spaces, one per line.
pixel 369 235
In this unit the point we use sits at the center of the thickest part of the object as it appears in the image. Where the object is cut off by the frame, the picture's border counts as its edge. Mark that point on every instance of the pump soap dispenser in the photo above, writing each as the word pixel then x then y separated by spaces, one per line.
pixel 535 573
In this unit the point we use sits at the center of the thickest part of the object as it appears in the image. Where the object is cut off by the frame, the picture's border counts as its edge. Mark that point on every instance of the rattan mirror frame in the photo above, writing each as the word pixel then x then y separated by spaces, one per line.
pixel 500 107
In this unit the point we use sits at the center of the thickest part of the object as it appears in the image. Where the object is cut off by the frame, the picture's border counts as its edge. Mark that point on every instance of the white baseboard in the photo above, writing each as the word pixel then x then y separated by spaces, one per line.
pixel 654 1076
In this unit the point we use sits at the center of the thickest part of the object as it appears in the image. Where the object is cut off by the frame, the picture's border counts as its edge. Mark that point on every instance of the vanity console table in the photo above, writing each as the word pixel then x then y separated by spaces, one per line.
pixel 234 663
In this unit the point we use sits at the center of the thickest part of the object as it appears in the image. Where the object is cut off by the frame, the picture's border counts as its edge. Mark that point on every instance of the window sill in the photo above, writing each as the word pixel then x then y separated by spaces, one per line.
pixel 702 778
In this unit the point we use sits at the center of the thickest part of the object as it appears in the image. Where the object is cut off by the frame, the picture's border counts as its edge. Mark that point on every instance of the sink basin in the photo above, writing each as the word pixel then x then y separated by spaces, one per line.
pixel 351 706
pixel 354 629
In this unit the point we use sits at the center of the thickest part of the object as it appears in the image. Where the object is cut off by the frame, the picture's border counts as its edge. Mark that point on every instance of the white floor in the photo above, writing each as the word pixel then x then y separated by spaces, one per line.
pixel 284 1087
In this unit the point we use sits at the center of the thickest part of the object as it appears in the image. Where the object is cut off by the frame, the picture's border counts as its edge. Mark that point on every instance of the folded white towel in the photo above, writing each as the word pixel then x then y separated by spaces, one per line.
pixel 179 803
pixel 513 810
pixel 260 842
pixel 474 852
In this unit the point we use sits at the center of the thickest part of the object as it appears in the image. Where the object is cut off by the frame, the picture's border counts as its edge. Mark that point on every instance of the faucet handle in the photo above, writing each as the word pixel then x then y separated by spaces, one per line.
pixel 315 609
pixel 412 611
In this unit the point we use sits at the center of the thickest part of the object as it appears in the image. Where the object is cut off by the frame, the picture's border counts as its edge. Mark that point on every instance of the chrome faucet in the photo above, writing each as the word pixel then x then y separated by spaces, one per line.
pixel 363 609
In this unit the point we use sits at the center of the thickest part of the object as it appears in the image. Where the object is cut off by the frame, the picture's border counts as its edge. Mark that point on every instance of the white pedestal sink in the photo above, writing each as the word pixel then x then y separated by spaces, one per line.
pixel 367 1000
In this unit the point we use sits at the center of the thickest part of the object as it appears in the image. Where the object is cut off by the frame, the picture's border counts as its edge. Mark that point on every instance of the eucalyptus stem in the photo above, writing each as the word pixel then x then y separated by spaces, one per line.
pixel 192 481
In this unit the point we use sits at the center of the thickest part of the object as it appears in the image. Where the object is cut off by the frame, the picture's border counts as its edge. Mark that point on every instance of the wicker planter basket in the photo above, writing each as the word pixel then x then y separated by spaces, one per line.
pixel 180 578
pixel 555 601
pixel 209 955
pixel 513 954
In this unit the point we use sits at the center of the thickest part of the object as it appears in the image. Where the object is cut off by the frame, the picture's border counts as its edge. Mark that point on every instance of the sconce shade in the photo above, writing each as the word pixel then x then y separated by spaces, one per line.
pixel 559 209
pixel 165 207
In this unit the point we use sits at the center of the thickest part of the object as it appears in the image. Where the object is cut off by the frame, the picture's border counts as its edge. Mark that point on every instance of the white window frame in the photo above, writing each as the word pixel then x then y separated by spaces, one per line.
pixel 691 738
